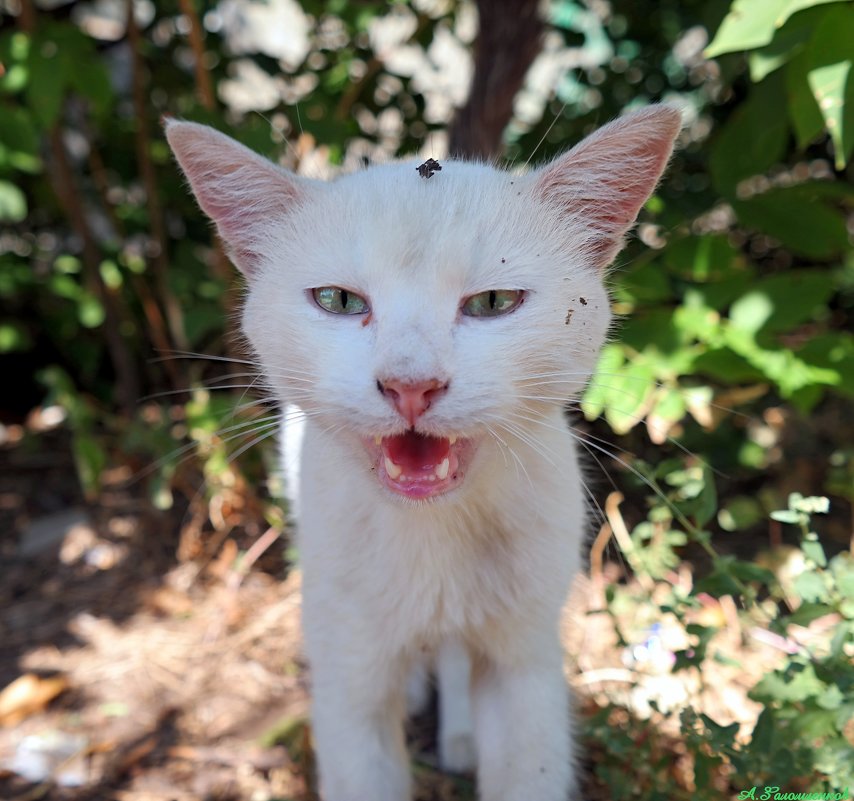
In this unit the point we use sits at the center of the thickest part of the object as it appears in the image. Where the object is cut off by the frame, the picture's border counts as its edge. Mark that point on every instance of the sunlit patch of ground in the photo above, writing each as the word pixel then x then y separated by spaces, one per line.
pixel 145 677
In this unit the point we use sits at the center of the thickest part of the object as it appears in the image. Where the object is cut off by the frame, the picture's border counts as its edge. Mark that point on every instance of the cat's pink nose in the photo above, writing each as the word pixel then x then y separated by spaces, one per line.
pixel 412 400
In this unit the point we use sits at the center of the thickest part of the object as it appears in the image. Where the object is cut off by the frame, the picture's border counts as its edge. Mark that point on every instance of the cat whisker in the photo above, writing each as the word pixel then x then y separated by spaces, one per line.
pixel 260 438
pixel 191 390
pixel 588 444
pixel 575 405
pixel 502 445
pixel 188 354
pixel 289 372
pixel 520 465
pixel 675 511
pixel 184 451
pixel 622 377
pixel 519 433
pixel 584 484
pixel 667 438
pixel 545 135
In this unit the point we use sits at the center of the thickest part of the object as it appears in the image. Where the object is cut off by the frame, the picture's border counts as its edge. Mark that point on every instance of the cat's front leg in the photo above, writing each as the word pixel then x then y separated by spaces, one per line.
pixel 357 716
pixel 522 725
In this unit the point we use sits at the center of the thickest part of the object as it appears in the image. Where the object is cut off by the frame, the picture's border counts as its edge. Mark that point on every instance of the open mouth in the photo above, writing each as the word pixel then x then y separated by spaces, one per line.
pixel 419 465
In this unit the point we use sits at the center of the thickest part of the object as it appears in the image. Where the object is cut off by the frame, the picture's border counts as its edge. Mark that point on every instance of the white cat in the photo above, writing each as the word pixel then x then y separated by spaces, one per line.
pixel 432 330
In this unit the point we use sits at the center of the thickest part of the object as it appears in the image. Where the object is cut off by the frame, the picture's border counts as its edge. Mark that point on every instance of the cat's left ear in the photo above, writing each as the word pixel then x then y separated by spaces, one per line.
pixel 598 187
pixel 243 193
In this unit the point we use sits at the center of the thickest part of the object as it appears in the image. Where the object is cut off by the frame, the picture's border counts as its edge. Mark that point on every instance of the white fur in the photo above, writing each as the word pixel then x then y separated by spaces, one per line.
pixel 474 580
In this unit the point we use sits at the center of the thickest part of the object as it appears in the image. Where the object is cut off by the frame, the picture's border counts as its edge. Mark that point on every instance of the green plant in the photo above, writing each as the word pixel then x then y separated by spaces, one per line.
pixel 802 738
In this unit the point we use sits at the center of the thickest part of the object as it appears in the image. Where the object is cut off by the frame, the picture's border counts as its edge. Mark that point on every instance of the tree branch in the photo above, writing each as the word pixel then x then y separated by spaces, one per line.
pixel 64 185
pixel 197 44
pixel 157 259
pixel 509 39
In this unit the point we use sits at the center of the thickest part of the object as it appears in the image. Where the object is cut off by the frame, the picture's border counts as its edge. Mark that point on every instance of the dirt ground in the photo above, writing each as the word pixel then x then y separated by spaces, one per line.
pixel 135 673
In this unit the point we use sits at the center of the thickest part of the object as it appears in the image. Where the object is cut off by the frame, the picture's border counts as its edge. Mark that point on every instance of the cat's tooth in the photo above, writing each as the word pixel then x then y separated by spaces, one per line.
pixel 443 469
pixel 378 440
pixel 452 440
pixel 394 470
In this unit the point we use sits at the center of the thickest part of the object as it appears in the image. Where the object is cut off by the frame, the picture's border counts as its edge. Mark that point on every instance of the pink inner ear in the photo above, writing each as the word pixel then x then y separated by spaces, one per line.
pixel 240 191
pixel 603 182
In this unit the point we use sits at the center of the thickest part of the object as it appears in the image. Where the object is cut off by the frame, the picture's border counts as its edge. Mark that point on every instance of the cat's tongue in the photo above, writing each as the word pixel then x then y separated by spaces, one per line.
pixel 418 465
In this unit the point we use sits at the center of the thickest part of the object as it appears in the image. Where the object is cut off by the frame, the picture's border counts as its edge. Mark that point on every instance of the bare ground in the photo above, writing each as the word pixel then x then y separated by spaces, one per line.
pixel 134 673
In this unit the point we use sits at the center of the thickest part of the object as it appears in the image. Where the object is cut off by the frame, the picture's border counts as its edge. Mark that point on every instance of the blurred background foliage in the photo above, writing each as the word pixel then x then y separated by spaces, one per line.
pixel 726 396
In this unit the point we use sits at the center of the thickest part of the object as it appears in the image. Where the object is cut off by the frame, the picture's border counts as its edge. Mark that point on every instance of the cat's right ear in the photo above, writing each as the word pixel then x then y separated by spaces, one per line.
pixel 243 193
pixel 598 187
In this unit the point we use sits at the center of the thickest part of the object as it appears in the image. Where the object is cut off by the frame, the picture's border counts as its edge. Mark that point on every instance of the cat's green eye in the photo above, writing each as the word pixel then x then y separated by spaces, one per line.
pixel 339 301
pixel 493 302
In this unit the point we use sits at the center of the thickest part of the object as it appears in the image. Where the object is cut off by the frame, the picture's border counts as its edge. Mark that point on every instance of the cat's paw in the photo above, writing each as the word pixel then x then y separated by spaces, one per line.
pixel 457 753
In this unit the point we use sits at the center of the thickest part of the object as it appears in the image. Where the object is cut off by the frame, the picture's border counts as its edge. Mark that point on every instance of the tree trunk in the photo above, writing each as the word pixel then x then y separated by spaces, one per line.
pixel 509 39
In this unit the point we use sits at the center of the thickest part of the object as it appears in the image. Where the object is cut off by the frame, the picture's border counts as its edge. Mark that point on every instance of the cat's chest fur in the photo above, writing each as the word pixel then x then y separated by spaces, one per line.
pixel 420 574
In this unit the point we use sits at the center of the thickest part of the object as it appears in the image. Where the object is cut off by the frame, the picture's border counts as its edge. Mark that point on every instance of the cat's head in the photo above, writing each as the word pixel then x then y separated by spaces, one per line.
pixel 422 320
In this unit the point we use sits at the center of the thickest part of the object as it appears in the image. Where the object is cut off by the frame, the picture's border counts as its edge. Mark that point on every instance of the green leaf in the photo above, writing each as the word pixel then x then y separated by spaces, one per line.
pixel 797 683
pixel 610 362
pixel 646 283
pixel 751 312
pixel 748 571
pixel 765 737
pixel 627 395
pixel 702 258
pixel 754 137
pixel 62 58
pixel 727 366
pixel 90 459
pixel 90 311
pixel 815 230
pixel 831 698
pixel 793 6
pixel 780 302
pixel 833 351
pixel 47 84
pixel 13 203
pixel 669 405
pixel 813 550
pixel 811 587
pixel 14 50
pixel 804 113
pixel 91 80
pixel 696 320
pixel 14 337
pixel 752 23
pixel 830 56
pixel 749 24
pixel 815 724
pixel 810 505
pixel 788 41
pixel 721 736
pixel 739 513
pixel 807 612
pixel 18 132
pixel 842 568
pixel 722 579
pixel 703 508
pixel 654 333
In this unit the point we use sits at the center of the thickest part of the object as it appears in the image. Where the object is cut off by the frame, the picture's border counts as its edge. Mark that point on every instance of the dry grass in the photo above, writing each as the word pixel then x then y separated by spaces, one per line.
pixel 185 679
